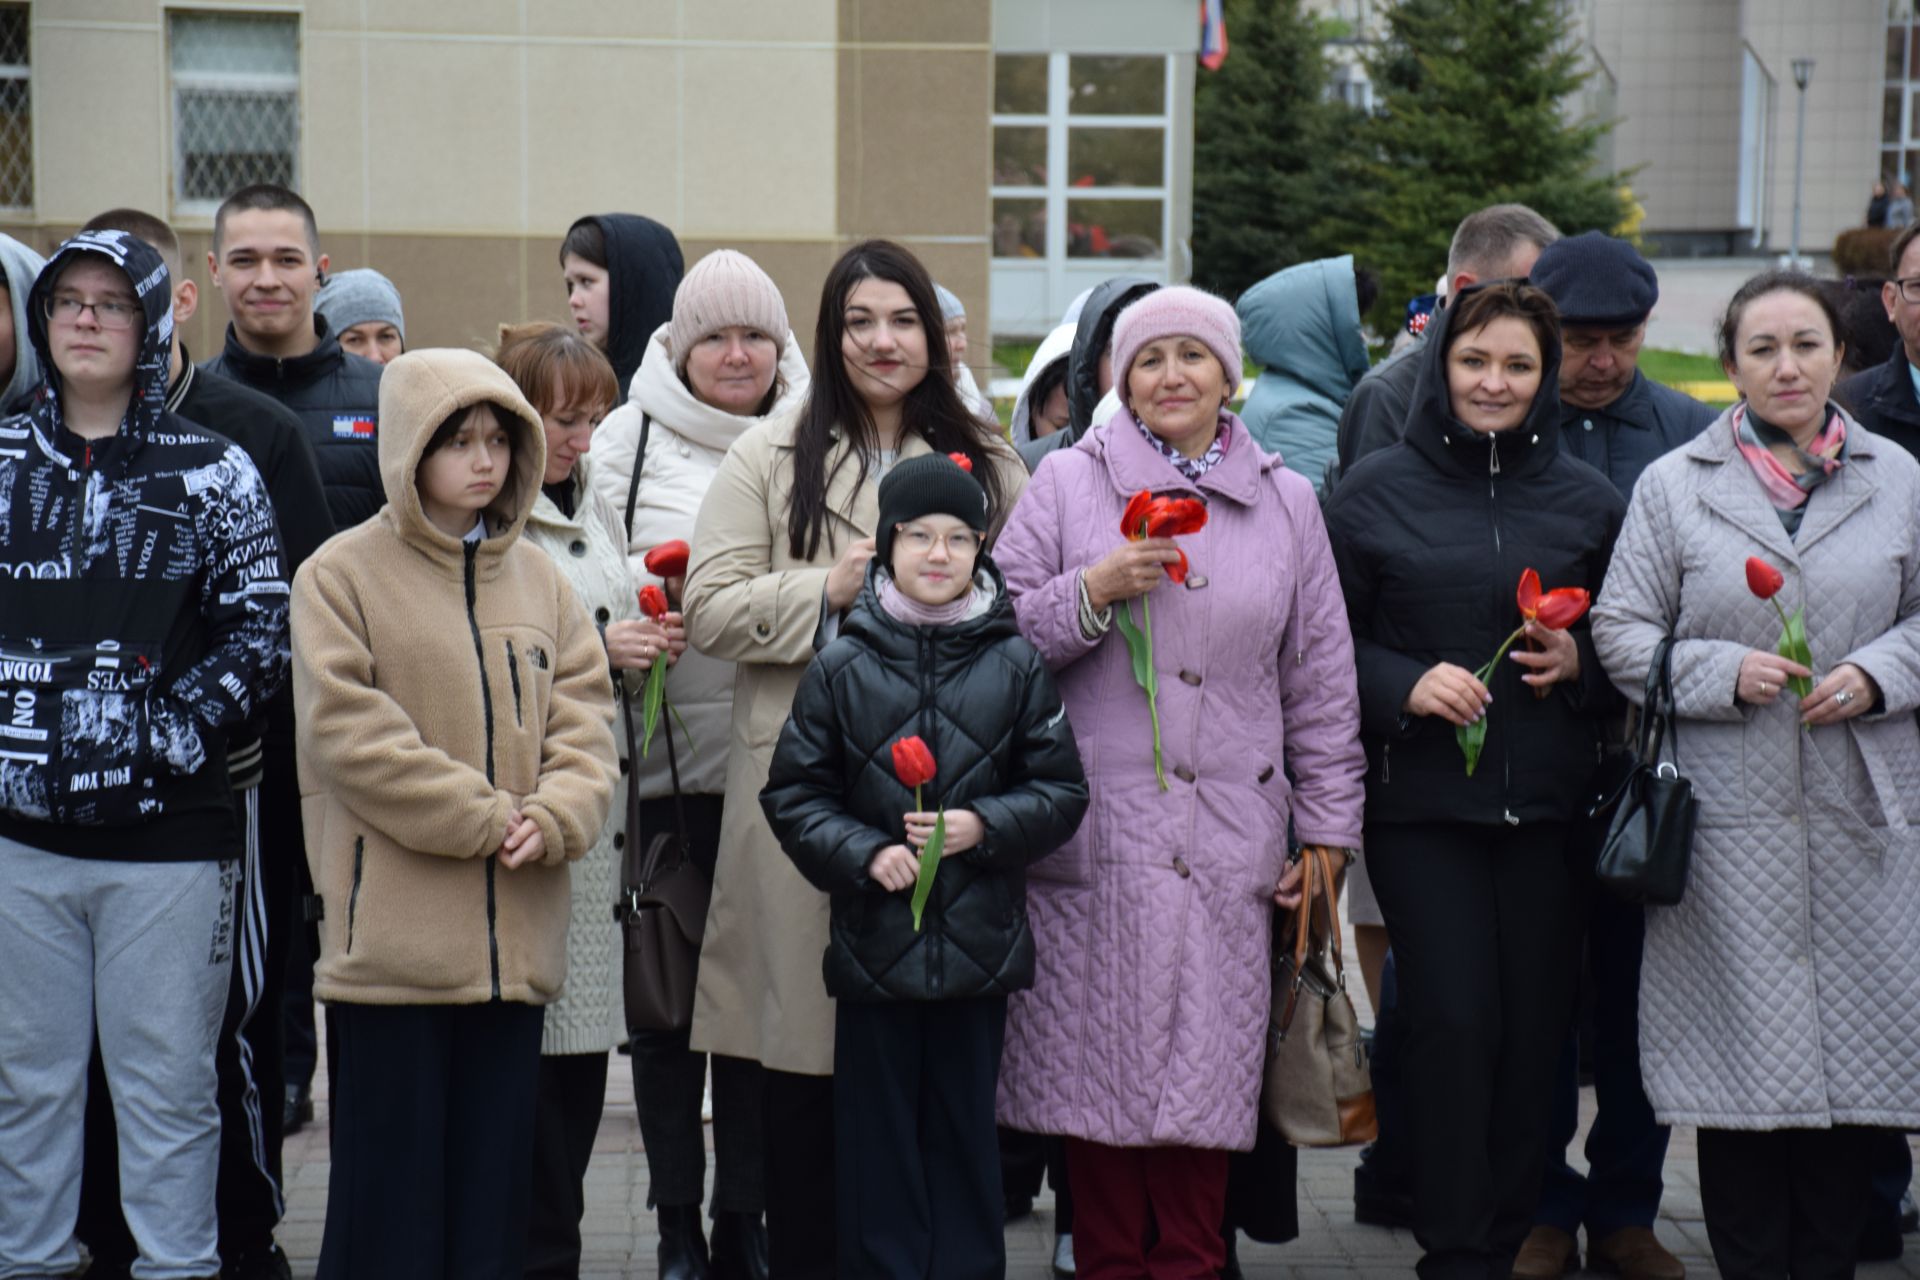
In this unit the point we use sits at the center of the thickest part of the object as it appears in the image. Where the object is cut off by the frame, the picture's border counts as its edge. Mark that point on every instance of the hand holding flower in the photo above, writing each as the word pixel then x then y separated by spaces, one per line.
pixel 964 830
pixel 1453 693
pixel 1556 659
pixel 1845 693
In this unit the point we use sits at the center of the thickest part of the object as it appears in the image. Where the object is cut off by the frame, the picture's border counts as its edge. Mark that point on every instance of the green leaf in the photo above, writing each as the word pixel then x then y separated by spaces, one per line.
pixel 1139 647
pixel 685 732
pixel 650 703
pixel 1793 647
pixel 1472 739
pixel 929 867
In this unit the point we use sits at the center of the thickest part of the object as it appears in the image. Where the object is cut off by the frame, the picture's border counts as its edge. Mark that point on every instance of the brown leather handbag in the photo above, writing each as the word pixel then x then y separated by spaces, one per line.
pixel 1317 1091
pixel 663 893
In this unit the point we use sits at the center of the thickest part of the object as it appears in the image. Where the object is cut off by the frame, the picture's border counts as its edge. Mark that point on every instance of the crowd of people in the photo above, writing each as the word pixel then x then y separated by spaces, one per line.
pixel 325 664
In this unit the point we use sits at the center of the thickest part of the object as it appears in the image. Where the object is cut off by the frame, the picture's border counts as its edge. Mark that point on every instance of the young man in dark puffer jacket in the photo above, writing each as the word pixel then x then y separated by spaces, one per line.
pixel 931 651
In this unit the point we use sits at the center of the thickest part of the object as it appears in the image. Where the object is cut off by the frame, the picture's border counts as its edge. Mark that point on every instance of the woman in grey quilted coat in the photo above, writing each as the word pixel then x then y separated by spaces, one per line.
pixel 1780 999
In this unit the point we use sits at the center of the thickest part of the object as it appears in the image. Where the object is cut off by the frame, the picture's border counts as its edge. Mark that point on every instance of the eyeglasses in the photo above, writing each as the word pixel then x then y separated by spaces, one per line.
pixel 108 313
pixel 1909 288
pixel 963 544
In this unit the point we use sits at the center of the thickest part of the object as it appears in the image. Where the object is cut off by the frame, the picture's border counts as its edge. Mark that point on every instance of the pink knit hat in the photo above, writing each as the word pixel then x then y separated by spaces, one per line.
pixel 724 288
pixel 1175 312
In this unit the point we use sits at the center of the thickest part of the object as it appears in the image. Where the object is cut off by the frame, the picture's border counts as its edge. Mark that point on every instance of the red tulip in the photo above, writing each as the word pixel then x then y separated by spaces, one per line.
pixel 653 602
pixel 1149 517
pixel 962 461
pixel 1557 609
pixel 668 560
pixel 913 762
pixel 1763 579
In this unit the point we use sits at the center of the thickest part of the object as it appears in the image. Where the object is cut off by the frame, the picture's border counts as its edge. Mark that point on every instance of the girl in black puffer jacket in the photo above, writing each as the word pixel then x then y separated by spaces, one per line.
pixel 929 650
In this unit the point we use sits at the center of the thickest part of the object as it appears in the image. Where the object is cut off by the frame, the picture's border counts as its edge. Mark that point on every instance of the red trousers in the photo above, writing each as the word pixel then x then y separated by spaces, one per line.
pixel 1147 1211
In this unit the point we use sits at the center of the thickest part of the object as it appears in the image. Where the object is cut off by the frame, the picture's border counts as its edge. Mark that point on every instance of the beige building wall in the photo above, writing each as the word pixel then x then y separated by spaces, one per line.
pixel 451 144
pixel 1680 65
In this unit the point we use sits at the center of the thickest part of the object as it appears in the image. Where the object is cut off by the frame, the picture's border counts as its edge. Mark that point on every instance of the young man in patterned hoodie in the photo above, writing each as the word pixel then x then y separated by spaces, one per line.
pixel 143 616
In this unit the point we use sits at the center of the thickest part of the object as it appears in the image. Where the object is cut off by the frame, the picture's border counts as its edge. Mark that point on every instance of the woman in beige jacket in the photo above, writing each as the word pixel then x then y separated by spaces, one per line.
pixel 779 551
pixel 455 754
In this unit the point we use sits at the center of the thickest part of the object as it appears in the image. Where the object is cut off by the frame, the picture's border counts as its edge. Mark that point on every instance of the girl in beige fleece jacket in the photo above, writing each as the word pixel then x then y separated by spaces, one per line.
pixel 455 753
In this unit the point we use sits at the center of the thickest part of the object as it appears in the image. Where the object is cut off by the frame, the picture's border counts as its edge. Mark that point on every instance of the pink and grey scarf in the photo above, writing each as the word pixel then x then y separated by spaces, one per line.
pixel 1824 455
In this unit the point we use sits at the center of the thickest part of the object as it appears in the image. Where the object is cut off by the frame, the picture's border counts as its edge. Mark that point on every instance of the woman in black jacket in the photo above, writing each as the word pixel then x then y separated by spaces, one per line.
pixel 1432 536
pixel 929 651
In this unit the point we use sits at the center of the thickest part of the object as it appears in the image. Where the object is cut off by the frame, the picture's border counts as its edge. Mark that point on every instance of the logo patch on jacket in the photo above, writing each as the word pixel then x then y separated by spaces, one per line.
pixel 347 426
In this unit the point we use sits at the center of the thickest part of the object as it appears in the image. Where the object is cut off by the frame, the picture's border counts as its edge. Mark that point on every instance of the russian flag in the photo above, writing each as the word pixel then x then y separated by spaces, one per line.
pixel 1213 33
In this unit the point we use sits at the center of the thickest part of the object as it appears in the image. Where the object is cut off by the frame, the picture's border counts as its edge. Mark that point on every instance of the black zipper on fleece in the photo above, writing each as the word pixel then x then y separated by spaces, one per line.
pixel 513 674
pixel 353 898
pixel 79 539
pixel 486 707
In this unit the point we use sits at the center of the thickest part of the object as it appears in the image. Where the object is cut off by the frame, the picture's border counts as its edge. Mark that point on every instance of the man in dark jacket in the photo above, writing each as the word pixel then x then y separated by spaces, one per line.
pixel 1499 242
pixel 143 619
pixel 1089 367
pixel 260 766
pixel 1616 420
pixel 1886 399
pixel 267 264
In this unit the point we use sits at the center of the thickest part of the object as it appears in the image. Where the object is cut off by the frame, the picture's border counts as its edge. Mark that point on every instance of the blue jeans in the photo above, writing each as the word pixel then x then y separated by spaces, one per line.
pixel 1626 1148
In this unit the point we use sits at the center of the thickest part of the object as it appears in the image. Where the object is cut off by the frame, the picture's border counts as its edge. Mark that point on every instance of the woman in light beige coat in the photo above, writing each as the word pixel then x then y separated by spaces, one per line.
pixel 779 551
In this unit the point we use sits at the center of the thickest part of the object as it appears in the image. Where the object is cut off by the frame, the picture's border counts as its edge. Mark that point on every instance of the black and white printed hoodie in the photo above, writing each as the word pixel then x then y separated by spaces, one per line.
pixel 143 607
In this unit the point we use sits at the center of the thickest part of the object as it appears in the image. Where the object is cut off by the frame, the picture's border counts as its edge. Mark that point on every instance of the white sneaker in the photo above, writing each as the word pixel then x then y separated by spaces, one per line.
pixel 1063 1255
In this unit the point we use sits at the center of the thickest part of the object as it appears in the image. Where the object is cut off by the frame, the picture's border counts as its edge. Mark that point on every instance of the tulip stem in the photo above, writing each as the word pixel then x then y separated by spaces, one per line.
pixel 1153 695
pixel 1485 673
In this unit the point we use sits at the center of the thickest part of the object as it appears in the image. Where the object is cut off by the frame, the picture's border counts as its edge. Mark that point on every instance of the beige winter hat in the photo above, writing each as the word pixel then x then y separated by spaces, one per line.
pixel 724 288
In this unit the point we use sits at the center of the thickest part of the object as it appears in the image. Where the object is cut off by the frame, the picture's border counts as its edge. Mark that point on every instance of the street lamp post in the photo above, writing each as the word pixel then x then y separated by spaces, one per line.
pixel 1802 73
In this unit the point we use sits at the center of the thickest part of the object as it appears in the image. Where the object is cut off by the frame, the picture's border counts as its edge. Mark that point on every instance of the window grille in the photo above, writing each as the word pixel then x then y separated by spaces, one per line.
pixel 236 103
pixel 16 110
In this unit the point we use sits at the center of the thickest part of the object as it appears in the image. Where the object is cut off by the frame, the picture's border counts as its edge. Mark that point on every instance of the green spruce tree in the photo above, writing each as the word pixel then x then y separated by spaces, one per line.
pixel 1470 111
pixel 1265 142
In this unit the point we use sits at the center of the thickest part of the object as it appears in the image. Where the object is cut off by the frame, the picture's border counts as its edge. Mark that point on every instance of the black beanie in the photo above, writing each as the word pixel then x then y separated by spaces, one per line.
pixel 1596 280
pixel 930 484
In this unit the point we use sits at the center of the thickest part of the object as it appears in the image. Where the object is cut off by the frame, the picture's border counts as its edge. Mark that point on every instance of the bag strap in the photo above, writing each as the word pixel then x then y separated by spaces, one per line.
pixel 639 461
pixel 1657 706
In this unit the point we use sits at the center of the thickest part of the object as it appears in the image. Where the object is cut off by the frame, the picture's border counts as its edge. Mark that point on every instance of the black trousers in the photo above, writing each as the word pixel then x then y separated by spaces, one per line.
pixel 1027 1159
pixel 569 1096
pixel 669 1078
pixel 798 1129
pixel 432 1142
pixel 1481 921
pixel 247 1057
pixel 918 1154
pixel 1785 1202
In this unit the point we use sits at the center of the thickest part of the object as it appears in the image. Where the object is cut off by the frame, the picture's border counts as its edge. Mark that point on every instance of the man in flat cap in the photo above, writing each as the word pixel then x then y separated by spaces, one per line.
pixel 1615 419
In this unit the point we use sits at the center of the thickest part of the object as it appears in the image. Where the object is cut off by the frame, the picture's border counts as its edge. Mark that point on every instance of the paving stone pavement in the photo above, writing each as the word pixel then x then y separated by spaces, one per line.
pixel 619 1236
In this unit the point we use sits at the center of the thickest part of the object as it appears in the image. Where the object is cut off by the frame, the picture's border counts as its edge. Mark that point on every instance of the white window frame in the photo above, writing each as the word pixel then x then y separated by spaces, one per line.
pixel 1056 193
pixel 232 82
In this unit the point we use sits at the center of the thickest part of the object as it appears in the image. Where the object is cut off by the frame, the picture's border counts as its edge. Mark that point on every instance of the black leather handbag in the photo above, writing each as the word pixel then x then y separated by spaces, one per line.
pixel 1649 845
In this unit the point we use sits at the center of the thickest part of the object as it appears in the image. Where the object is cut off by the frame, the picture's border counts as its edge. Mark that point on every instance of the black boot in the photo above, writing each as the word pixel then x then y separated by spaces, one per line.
pixel 1230 1270
pixel 739 1246
pixel 683 1250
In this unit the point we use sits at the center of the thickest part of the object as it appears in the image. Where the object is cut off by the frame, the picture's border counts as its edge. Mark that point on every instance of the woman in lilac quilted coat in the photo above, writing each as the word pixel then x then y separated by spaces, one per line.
pixel 1143 1038
pixel 1780 999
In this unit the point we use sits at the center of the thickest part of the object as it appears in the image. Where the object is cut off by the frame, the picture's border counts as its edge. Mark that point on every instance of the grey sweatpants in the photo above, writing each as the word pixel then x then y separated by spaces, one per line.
pixel 142 950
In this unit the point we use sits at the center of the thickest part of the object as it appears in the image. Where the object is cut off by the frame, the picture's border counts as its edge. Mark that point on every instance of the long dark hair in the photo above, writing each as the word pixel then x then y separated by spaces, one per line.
pixel 932 410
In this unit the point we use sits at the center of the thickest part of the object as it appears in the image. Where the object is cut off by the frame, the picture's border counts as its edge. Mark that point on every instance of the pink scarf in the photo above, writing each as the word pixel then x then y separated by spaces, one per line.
pixel 1823 456
pixel 904 608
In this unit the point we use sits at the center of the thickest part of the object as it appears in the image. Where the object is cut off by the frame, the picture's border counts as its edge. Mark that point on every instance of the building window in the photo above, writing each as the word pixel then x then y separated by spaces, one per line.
pixel 1080 156
pixel 16 110
pixel 236 104
pixel 1900 109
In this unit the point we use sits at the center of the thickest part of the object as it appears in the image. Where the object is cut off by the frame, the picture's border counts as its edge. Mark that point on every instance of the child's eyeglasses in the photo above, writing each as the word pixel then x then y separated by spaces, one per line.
pixel 962 544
